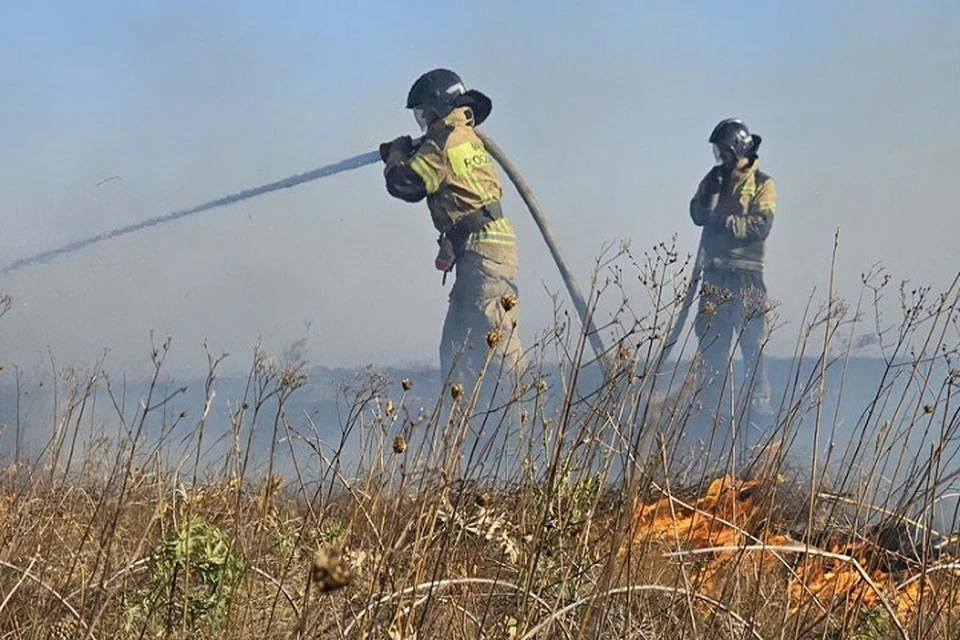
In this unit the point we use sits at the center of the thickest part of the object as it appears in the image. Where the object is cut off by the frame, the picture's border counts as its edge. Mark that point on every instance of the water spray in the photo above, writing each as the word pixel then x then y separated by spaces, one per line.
pixel 355 162
pixel 349 164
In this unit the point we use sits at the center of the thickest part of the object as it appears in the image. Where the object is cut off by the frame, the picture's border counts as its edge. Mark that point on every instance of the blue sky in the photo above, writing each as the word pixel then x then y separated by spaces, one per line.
pixel 605 106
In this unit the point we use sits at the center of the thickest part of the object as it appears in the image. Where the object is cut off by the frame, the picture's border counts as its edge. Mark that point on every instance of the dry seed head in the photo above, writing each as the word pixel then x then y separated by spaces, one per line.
pixel 508 301
pixel 399 444
pixel 456 390
pixel 928 408
pixel 406 384
pixel 329 570
pixel 64 629
pixel 493 337
pixel 483 499
pixel 389 409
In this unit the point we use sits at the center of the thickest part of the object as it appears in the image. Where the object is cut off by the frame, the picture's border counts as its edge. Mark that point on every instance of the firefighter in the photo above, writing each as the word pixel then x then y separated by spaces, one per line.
pixel 452 170
pixel 734 204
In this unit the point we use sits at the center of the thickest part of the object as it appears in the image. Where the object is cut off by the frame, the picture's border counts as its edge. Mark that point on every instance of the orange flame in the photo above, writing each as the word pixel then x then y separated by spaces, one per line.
pixel 707 524
pixel 729 515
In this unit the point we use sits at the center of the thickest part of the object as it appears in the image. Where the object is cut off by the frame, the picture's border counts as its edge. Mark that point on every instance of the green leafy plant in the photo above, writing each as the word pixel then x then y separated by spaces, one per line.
pixel 192 577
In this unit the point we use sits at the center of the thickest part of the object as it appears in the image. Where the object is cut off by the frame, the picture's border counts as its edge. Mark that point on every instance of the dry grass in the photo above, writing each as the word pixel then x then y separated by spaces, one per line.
pixel 544 507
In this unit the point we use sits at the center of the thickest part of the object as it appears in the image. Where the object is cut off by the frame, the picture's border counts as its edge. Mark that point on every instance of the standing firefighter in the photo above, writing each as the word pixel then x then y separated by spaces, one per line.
pixel 453 171
pixel 734 204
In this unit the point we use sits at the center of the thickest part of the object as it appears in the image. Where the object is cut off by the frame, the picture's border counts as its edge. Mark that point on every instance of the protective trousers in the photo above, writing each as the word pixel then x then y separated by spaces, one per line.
pixel 733 307
pixel 482 312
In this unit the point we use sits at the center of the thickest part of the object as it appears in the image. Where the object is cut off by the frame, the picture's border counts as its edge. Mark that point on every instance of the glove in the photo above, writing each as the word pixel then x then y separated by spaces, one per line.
pixel 737 226
pixel 402 145
pixel 713 183
pixel 445 256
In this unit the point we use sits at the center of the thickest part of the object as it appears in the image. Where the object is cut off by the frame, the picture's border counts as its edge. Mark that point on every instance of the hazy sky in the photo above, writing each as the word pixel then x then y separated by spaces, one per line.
pixel 605 107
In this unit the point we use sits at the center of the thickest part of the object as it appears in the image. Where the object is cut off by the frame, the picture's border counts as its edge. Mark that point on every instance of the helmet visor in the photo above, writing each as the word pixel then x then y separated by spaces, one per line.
pixel 421 117
pixel 724 154
pixel 717 154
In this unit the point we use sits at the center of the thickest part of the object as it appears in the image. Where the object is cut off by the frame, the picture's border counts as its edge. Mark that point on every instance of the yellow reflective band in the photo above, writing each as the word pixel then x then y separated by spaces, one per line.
pixel 488 197
pixel 430 178
pixel 497 232
pixel 489 241
pixel 500 224
pixel 477 187
pixel 766 207
pixel 485 195
pixel 480 236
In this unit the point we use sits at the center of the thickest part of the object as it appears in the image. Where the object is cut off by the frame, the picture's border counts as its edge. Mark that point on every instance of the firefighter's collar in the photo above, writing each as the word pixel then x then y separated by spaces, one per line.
pixel 746 172
pixel 458 117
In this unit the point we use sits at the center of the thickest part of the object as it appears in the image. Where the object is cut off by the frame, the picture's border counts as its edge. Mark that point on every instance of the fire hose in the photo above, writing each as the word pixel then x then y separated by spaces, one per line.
pixel 348 164
pixel 586 315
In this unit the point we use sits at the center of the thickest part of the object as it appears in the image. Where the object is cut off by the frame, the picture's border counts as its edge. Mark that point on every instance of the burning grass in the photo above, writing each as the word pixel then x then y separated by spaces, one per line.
pixel 543 510
pixel 729 528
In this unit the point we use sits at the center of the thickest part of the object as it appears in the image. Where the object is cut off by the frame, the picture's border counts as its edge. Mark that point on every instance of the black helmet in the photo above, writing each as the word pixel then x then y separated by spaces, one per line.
pixel 732 134
pixel 442 90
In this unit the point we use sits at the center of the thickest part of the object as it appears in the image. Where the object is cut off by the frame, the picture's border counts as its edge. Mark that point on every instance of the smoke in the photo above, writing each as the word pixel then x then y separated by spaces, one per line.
pixel 605 109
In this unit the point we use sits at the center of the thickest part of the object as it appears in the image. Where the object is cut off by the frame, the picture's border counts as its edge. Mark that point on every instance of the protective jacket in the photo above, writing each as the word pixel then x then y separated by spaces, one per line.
pixel 460 181
pixel 736 230
pixel 461 184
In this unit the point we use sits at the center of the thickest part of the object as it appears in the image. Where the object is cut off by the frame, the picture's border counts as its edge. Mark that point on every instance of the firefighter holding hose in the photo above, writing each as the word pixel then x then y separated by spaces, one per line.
pixel 453 171
pixel 734 204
